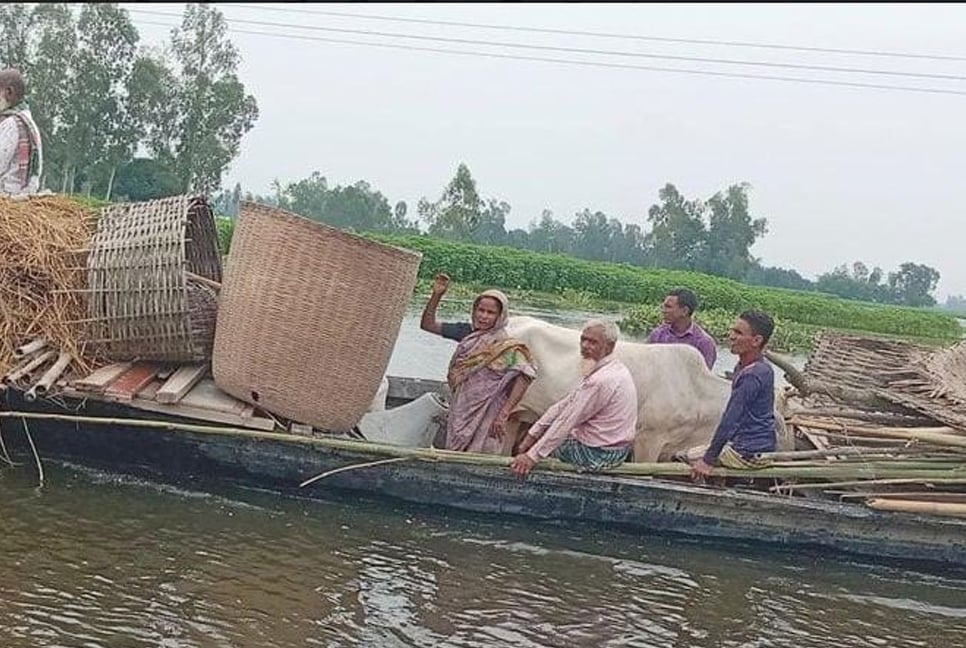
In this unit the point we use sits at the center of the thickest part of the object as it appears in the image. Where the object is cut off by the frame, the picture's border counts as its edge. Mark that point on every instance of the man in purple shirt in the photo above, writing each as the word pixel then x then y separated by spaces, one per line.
pixel 680 328
pixel 747 427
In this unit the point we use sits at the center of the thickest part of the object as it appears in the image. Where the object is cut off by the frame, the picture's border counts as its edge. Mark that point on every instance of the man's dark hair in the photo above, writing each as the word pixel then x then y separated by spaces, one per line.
pixel 685 298
pixel 760 322
pixel 11 78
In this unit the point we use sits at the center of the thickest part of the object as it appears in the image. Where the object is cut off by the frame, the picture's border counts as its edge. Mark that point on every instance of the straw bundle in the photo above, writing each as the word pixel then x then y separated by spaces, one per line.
pixel 39 270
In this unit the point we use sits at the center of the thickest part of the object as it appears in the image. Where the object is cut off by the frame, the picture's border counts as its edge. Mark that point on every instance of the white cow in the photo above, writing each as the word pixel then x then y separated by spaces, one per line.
pixel 680 400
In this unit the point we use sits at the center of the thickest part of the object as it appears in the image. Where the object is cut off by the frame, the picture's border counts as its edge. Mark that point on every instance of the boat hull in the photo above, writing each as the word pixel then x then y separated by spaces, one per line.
pixel 281 461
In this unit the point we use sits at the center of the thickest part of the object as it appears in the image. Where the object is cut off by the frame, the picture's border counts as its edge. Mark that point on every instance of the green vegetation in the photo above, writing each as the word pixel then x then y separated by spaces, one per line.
pixel 548 273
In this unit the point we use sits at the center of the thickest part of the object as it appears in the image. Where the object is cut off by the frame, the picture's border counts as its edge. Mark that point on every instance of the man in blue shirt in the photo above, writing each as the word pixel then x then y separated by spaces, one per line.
pixel 747 426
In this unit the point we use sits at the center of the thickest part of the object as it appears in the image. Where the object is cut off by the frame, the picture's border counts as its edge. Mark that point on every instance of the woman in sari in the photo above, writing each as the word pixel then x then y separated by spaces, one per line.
pixel 488 373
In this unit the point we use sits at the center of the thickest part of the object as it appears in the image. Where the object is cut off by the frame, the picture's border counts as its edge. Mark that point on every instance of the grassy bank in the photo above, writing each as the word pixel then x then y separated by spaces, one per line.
pixel 554 274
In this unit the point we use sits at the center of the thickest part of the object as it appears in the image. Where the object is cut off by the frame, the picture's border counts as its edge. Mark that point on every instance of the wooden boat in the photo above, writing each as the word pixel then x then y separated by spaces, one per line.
pixel 122 426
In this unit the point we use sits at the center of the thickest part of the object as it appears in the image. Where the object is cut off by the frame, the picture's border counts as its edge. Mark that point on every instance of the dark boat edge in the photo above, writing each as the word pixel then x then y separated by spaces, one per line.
pixel 281 461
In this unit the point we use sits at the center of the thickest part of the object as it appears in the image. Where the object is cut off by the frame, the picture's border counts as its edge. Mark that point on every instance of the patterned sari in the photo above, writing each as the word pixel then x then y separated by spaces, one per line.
pixel 481 373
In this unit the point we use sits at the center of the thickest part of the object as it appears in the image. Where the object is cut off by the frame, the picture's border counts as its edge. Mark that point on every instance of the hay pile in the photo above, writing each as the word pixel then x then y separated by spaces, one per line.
pixel 41 259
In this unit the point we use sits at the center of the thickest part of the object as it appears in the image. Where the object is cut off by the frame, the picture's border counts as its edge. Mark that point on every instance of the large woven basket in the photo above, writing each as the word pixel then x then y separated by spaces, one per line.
pixel 140 303
pixel 308 316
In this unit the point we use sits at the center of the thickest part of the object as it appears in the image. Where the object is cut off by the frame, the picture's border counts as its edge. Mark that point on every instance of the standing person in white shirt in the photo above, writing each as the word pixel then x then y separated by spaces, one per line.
pixel 21 150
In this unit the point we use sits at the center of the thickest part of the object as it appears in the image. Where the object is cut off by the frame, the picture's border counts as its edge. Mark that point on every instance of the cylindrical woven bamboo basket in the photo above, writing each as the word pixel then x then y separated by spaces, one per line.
pixel 140 303
pixel 308 316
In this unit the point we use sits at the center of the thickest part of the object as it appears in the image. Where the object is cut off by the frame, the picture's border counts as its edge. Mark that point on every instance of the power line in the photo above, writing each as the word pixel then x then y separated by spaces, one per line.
pixel 621 66
pixel 572 32
pixel 579 50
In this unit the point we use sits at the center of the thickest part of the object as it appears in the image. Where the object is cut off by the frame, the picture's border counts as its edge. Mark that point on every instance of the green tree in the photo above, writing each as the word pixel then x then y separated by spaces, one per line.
pixel 956 303
pixel 100 134
pixel 358 206
pixel 458 211
pixel 912 284
pixel 50 88
pixel 759 275
pixel 214 111
pixel 731 233
pixel 15 26
pixel 491 228
pixel 152 108
pixel 550 235
pixel 145 179
pixel 856 282
pixel 678 235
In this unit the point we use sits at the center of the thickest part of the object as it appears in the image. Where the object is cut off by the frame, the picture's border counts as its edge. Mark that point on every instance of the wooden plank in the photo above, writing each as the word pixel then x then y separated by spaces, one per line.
pixel 132 381
pixel 206 395
pixel 182 410
pixel 100 379
pixel 148 391
pixel 187 411
pixel 180 383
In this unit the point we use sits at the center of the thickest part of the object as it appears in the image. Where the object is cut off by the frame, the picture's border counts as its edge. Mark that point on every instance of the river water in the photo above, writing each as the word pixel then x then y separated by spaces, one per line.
pixel 104 560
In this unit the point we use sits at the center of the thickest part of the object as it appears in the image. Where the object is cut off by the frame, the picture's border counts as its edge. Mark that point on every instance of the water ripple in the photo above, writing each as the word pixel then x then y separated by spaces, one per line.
pixel 101 561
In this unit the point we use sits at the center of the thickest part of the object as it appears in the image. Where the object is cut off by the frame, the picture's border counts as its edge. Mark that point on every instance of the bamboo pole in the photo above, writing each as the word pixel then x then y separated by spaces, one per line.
pixel 938 435
pixel 3 450
pixel 924 496
pixel 40 467
pixel 31 347
pixel 52 374
pixel 911 479
pixel 449 456
pixel 840 451
pixel 951 509
pixel 874 429
pixel 868 417
pixel 368 464
pixel 17 374
pixel 211 283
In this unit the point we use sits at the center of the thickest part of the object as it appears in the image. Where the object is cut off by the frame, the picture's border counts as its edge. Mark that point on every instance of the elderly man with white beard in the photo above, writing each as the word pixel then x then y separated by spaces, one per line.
pixel 593 426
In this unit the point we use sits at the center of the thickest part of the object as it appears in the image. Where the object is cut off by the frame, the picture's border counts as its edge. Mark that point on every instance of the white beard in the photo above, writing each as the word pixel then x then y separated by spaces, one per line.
pixel 3 104
pixel 587 366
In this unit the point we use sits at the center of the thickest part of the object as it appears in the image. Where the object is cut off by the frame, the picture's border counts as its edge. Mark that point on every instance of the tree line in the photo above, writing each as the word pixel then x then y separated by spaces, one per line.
pixel 126 122
pixel 100 98
pixel 714 236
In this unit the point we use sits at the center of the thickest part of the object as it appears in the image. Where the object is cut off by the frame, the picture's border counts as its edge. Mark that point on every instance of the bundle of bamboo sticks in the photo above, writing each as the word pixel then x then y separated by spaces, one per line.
pixel 40 266
pixel 927 463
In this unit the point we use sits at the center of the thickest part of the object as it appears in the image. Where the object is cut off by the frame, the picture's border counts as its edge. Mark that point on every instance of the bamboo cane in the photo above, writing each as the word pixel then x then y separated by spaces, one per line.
pixel 29 348
pixel 870 429
pixel 211 283
pixel 869 482
pixel 368 464
pixel 938 435
pixel 449 456
pixel 868 417
pixel 924 496
pixel 40 467
pixel 17 374
pixel 952 509
pixel 840 451
pixel 52 374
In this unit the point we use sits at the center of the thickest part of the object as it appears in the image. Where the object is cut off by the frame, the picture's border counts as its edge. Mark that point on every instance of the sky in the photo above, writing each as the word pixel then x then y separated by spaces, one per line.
pixel 842 174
